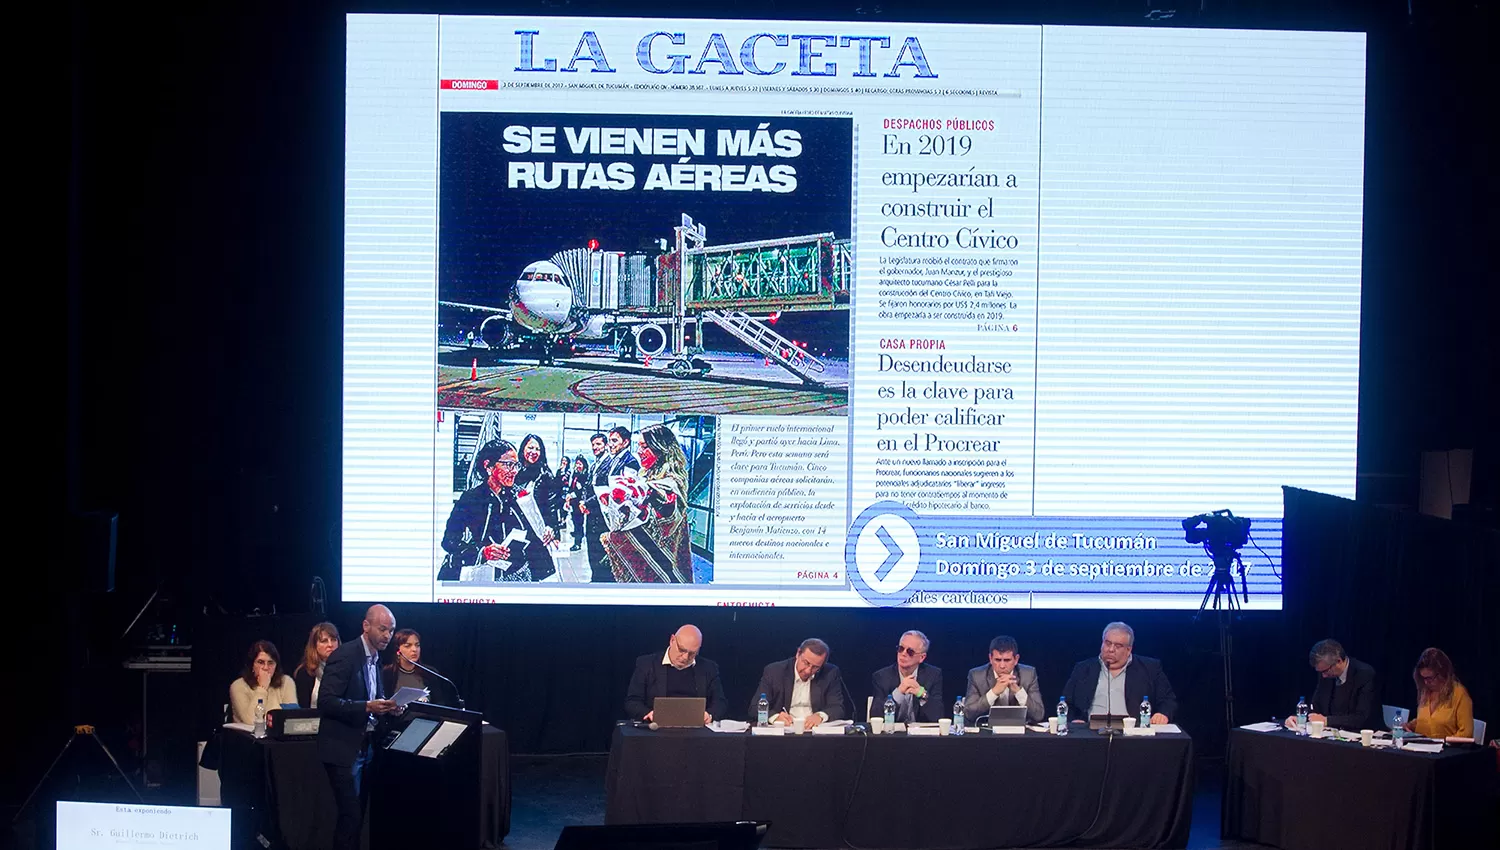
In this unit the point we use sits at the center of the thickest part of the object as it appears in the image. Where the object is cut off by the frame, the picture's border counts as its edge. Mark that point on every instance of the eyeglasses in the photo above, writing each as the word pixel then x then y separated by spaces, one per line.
pixel 508 464
pixel 1117 645
pixel 906 650
pixel 1323 671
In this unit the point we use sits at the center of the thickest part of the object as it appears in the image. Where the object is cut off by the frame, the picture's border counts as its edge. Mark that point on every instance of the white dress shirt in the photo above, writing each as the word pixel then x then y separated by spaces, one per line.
pixel 666 658
pixel 801 705
pixel 317 686
pixel 1110 692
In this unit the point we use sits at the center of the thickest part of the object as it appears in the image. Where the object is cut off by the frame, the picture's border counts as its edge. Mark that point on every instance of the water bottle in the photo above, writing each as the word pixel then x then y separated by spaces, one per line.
pixel 890 712
pixel 260 719
pixel 763 712
pixel 1302 715
pixel 1062 716
pixel 1145 720
pixel 958 716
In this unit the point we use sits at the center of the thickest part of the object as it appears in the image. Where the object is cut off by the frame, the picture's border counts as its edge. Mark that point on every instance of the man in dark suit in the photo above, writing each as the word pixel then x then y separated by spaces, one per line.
pixel 349 703
pixel 593 518
pixel 1115 682
pixel 1004 681
pixel 916 686
pixel 1346 696
pixel 805 689
pixel 679 672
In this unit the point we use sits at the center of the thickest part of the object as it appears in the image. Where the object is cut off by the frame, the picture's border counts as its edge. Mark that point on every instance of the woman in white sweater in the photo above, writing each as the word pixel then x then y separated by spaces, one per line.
pixel 262 679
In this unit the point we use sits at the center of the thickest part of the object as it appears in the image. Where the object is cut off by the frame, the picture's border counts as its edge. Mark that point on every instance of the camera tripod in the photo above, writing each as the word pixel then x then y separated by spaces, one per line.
pixel 1221 591
pixel 78 732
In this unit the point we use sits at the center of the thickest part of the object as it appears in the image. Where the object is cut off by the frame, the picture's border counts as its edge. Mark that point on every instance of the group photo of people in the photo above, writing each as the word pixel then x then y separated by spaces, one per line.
pixel 578 499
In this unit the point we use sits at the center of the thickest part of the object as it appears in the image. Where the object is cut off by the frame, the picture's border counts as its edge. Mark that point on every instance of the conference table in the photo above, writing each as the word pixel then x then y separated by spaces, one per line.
pixel 1301 793
pixel 281 787
pixel 979 790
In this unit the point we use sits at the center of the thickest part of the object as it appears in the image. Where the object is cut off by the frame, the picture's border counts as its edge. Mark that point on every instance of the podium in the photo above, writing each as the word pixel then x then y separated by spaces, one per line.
pixel 425 790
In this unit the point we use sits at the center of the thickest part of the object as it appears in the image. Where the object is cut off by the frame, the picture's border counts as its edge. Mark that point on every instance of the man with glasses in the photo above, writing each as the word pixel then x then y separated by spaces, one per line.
pixel 1114 683
pixel 804 690
pixel 915 685
pixel 678 672
pixel 1004 681
pixel 1345 696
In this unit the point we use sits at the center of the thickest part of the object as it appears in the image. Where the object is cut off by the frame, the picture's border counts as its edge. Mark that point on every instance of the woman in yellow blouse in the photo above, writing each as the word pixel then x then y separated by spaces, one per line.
pixel 1444 708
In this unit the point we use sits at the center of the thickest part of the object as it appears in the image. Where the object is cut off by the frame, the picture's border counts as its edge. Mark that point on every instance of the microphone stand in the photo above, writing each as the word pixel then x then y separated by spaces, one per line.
pixel 428 670
pixel 1108 730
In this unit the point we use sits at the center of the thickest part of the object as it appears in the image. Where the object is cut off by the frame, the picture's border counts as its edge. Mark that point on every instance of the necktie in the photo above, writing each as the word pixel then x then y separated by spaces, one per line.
pixel 372 676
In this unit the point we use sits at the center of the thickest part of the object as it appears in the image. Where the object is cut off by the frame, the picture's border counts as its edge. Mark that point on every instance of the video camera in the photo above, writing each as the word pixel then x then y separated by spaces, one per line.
pixel 1219 530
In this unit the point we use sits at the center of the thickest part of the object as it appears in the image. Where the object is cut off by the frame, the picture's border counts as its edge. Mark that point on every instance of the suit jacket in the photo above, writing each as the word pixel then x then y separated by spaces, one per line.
pixel 341 704
pixel 828 692
pixel 1352 705
pixel 888 679
pixel 982 678
pixel 646 685
pixel 1143 678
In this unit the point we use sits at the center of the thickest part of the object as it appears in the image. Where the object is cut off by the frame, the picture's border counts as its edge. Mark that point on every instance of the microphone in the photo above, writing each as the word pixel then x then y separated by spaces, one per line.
pixel 425 669
pixel 1108 730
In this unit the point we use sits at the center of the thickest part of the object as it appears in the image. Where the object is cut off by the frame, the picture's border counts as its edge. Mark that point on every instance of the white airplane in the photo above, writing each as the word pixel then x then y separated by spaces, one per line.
pixel 544 318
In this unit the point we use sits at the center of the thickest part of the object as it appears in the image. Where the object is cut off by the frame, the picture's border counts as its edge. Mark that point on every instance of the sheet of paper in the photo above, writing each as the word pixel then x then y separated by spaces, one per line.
pixel 445 735
pixel 1424 748
pixel 406 696
pixel 729 726
pixel 768 730
pixel 1265 726
pixel 1168 729
pixel 242 727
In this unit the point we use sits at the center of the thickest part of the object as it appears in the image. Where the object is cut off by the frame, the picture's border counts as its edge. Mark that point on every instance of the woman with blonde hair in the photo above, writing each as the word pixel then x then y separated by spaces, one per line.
pixel 1444 708
pixel 308 677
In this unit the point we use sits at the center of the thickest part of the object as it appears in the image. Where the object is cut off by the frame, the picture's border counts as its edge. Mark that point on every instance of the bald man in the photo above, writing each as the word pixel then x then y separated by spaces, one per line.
pixel 678 672
pixel 352 705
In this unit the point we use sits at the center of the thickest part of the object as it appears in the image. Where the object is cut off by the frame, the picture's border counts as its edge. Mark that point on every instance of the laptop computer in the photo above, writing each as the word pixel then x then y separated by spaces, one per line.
pixel 1007 715
pixel 1394 716
pixel 678 712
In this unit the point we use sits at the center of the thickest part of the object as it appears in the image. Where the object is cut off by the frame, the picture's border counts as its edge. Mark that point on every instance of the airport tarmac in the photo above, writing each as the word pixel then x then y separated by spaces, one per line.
pixel 738 383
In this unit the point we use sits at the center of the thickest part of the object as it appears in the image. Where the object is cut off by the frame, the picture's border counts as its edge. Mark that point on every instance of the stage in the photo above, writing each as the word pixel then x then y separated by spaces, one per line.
pixel 556 791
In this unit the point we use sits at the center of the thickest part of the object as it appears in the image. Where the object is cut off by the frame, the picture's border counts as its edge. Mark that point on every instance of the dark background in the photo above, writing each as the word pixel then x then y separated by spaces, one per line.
pixel 203 332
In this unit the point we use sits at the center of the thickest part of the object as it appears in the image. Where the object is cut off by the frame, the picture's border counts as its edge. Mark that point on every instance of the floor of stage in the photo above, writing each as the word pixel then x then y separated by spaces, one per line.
pixel 551 792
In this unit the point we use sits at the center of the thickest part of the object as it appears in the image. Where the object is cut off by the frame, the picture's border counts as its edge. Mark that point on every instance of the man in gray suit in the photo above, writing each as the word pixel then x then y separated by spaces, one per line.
pixel 1004 681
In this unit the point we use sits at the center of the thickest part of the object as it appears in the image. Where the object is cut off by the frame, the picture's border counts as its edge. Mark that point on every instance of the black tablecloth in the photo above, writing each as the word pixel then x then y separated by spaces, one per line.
pixel 1294 792
pixel 282 787
pixel 976 791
